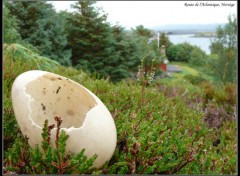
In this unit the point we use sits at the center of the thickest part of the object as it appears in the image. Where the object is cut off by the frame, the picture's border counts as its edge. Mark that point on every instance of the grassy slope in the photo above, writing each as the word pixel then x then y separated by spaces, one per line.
pixel 172 136
pixel 188 69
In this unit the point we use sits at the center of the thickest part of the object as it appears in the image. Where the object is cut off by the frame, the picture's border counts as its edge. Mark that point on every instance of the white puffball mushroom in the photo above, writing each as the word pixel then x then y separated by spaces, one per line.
pixel 40 95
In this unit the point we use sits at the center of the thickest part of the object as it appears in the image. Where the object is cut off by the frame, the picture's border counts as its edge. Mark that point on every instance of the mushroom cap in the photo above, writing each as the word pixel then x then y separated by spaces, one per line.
pixel 40 95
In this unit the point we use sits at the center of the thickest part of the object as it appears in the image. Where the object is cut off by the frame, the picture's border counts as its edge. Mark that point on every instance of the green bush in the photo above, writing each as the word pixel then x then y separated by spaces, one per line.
pixel 225 95
pixel 162 136
pixel 185 52
pixel 194 79
pixel 22 159
pixel 197 57
pixel 167 131
pixel 179 52
pixel 16 52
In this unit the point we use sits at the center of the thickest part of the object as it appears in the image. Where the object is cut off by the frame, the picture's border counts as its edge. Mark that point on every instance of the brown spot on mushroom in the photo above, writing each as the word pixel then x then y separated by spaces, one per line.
pixel 58 90
pixel 43 107
pixel 70 112
pixel 60 78
pixel 52 79
pixel 68 97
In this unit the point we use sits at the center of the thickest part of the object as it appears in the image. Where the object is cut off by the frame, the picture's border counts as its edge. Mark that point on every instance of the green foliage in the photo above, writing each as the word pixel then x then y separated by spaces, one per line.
pixel 85 23
pixel 169 134
pixel 144 32
pixel 224 96
pixel 128 52
pixel 194 79
pixel 10 27
pixel 10 128
pixel 164 40
pixel 13 63
pixel 172 52
pixel 16 52
pixel 96 49
pixel 145 76
pixel 144 47
pixel 22 159
pixel 197 57
pixel 223 62
pixel 185 52
pixel 40 26
pixel 109 51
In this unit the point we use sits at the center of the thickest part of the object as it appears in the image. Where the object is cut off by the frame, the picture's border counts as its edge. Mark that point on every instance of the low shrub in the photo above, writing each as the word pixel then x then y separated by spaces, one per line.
pixel 224 96
pixel 165 135
pixel 168 133
pixel 196 80
pixel 216 116
pixel 22 159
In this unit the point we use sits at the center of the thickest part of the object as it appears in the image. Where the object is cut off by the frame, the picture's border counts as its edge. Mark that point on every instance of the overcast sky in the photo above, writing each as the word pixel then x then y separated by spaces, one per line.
pixel 154 13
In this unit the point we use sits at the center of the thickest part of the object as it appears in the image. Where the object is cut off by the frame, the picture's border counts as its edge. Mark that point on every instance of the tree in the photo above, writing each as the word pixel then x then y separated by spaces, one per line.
pixel 144 32
pixel 197 56
pixel 94 42
pixel 126 48
pixel 224 51
pixel 164 40
pixel 87 35
pixel 40 26
pixel 185 52
pixel 145 47
pixel 180 52
pixel 10 27
pixel 172 52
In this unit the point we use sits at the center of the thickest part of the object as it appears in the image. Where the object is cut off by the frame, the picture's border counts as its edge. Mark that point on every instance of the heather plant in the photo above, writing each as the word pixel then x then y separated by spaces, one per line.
pixel 10 127
pixel 196 80
pixel 145 76
pixel 171 137
pixel 170 134
pixel 223 95
pixel 22 159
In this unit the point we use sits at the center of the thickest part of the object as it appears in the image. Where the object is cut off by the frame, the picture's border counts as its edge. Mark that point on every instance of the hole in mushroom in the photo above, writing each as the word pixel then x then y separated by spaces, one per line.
pixel 71 106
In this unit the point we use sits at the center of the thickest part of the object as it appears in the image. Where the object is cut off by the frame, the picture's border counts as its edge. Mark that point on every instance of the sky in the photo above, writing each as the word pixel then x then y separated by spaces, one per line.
pixel 155 13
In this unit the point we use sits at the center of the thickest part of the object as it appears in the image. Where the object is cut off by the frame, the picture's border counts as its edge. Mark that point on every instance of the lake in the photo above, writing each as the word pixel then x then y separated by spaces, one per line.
pixel 202 42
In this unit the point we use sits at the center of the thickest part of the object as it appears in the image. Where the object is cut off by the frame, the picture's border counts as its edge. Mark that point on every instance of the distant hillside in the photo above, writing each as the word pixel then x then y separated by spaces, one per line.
pixel 186 28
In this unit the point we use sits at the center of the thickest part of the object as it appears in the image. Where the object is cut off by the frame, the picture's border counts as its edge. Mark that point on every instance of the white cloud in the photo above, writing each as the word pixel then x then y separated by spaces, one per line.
pixel 62 5
pixel 155 13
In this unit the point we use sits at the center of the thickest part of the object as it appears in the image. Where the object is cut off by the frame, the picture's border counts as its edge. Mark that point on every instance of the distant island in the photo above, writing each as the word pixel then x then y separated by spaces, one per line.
pixel 200 30
pixel 205 34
